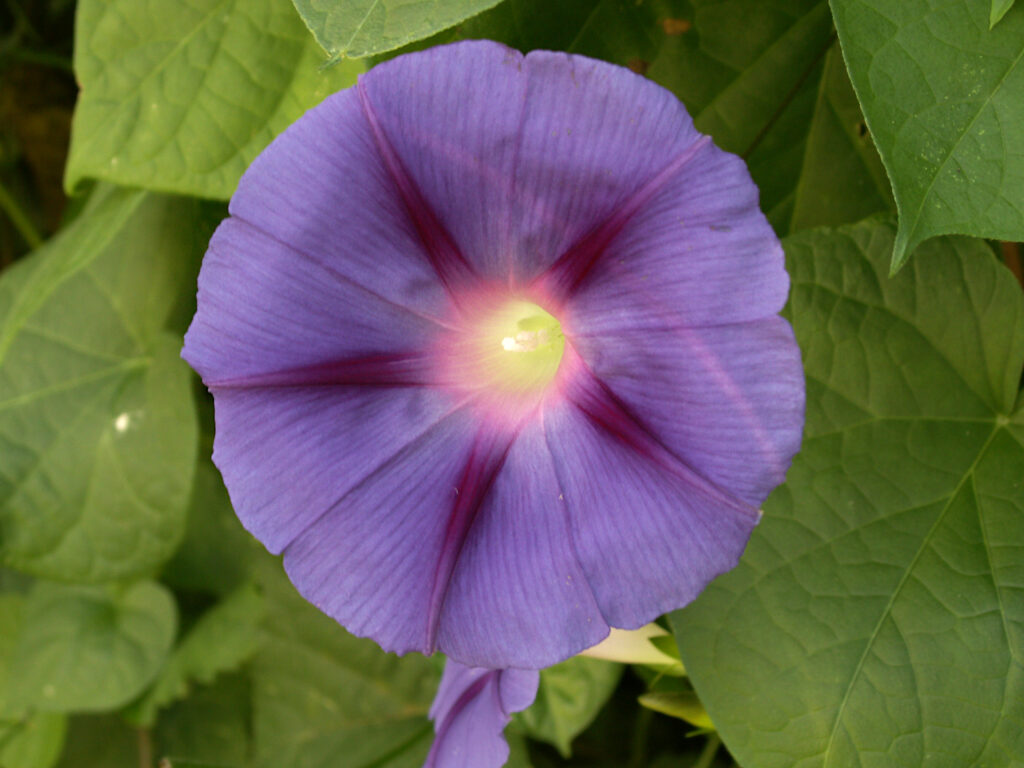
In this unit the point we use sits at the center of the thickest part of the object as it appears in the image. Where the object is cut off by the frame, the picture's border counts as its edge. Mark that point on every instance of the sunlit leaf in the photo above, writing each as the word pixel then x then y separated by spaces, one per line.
pixel 33 741
pixel 97 423
pixel 999 9
pixel 181 95
pixel 90 648
pixel 683 705
pixel 879 608
pixel 358 28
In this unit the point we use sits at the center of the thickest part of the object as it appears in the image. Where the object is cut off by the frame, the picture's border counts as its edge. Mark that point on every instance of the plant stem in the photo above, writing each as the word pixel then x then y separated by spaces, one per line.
pixel 145 748
pixel 710 750
pixel 638 753
pixel 19 219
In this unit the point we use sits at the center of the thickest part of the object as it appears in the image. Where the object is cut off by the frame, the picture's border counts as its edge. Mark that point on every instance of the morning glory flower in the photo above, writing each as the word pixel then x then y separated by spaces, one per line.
pixel 470 712
pixel 495 354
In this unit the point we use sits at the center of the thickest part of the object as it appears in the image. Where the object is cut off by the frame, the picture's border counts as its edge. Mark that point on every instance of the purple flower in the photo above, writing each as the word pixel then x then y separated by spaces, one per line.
pixel 495 355
pixel 471 710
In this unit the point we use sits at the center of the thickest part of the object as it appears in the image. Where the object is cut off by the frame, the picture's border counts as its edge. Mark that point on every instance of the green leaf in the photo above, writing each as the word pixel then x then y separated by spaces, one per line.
pixel 569 698
pixel 208 729
pixel 842 178
pixel 325 699
pixel 90 648
pixel 11 609
pixel 999 9
pixel 683 705
pixel 757 75
pixel 181 95
pixel 100 741
pixel 217 553
pixel 97 424
pixel 224 638
pixel 518 752
pixel 358 28
pixel 27 740
pixel 879 608
pixel 944 99
pixel 35 741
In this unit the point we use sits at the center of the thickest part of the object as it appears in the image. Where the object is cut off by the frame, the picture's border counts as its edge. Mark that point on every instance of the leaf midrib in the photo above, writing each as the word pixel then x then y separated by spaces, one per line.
pixel 124 366
pixel 887 611
pixel 887 154
pixel 358 28
pixel 953 148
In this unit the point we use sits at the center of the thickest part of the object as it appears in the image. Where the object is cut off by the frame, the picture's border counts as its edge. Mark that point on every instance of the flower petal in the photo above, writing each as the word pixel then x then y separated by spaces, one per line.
pixel 265 308
pixel 323 188
pixel 373 560
pixel 394 558
pixel 501 145
pixel 284 468
pixel 727 400
pixel 517 595
pixel 272 327
pixel 698 252
pixel 328 304
pixel 471 710
pixel 650 533
pixel 451 117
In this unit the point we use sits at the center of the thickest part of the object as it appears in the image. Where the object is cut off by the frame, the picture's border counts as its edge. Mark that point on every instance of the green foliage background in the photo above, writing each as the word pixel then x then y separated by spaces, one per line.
pixel 877 617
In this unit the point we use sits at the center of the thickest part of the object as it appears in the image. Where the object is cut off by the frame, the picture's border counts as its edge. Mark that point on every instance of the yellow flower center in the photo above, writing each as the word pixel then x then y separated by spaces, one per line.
pixel 516 348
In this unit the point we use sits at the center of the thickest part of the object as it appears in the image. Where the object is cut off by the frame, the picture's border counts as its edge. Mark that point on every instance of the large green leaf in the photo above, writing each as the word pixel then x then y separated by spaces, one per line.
pixel 357 28
pixel 325 699
pixel 181 95
pixel 83 648
pixel 97 425
pixel 944 98
pixel 877 617
pixel 756 75
pixel 569 698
